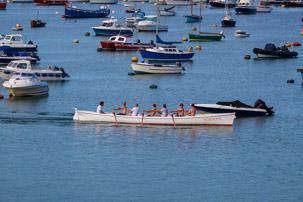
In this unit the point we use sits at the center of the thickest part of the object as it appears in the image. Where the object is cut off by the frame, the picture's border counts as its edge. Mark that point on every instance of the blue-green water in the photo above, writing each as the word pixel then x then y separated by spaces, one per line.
pixel 45 156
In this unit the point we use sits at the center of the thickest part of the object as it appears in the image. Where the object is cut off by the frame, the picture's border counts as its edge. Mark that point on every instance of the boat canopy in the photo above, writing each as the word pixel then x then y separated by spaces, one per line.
pixel 270 47
pixel 158 40
pixel 236 104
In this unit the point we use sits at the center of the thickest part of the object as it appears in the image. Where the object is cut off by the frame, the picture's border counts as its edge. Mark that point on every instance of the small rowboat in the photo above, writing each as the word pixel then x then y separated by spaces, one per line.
pixel 129 5
pixel 226 119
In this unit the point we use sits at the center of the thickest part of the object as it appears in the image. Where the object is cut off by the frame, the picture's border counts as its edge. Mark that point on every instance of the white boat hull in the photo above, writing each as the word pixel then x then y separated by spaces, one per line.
pixel 167 13
pixel 143 26
pixel 145 68
pixel 103 1
pixel 28 91
pixel 199 119
pixel 264 9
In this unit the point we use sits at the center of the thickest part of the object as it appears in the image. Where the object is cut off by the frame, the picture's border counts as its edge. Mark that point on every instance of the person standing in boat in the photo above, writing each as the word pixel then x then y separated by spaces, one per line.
pixel 135 110
pixel 99 108
pixel 163 111
pixel 192 111
pixel 124 109
pixel 153 110
pixel 180 110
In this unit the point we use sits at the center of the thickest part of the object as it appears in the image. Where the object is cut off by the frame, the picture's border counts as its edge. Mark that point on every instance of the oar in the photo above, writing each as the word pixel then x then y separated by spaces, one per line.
pixel 142 118
pixel 115 118
pixel 173 120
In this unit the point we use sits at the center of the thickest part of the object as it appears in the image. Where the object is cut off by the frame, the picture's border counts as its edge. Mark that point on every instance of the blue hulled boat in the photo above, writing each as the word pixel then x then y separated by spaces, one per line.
pixel 74 12
pixel 165 53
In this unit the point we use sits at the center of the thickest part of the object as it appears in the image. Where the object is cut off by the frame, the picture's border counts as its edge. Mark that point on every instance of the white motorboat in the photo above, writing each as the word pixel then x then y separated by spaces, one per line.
pixel 16 43
pixel 24 68
pixel 109 28
pixel 167 13
pixel 241 34
pixel 20 85
pixel 264 9
pixel 225 119
pixel 147 68
pixel 103 1
pixel 129 5
pixel 136 17
pixel 177 3
pixel 149 23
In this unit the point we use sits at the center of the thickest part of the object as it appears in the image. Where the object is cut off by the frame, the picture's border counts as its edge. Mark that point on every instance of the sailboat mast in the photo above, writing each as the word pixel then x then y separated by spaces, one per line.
pixel 157 27
pixel 191 7
pixel 200 17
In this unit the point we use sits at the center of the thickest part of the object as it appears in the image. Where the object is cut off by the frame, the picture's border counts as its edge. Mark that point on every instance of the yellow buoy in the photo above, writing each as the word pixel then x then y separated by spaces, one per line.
pixel 18 25
pixel 134 59
pixel 283 6
pixel 198 47
pixel 302 33
pixel 184 39
pixel 288 44
pixel 84 2
pixel 214 25
pixel 190 49
pixel 194 29
pixel 143 2
pixel 201 2
pixel 87 33
pixel 117 25
pixel 76 40
pixel 247 57
pixel 99 48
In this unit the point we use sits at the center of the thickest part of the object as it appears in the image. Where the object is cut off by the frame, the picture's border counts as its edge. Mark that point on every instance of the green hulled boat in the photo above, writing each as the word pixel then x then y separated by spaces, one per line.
pixel 206 36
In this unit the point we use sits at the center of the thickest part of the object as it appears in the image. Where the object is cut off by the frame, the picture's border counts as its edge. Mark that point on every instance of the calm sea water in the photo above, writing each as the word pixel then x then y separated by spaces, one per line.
pixel 45 156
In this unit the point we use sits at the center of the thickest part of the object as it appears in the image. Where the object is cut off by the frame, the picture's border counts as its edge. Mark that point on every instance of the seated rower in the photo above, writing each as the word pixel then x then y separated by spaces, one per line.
pixel 192 111
pixel 99 108
pixel 153 110
pixel 163 111
pixel 135 110
pixel 180 110
pixel 124 109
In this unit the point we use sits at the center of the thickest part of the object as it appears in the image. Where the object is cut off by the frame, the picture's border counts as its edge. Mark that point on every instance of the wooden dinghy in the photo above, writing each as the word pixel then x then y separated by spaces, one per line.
pixel 225 119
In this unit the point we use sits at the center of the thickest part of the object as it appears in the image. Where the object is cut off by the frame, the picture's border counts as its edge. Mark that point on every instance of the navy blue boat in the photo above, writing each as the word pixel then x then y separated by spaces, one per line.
pixel 73 12
pixel 241 109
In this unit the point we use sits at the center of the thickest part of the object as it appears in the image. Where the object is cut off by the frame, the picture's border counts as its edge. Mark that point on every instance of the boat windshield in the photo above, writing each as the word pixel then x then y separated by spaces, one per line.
pixel 22 66
pixel 106 24
pixel 150 19
pixel 12 64
pixel 7 38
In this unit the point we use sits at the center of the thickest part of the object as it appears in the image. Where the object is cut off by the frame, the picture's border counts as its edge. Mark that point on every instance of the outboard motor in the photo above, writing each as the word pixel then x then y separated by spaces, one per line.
pixel 261 105
pixel 30 42
pixel 64 74
pixel 55 68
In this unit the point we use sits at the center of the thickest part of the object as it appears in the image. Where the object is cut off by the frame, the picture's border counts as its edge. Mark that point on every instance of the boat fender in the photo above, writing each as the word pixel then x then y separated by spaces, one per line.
pixel 190 49
pixel 134 59
pixel 198 47
pixel 185 39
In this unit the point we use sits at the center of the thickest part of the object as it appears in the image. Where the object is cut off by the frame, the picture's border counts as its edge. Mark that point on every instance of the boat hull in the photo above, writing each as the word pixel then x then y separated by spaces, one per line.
pixel 154 56
pixel 292 4
pixel 109 45
pixel 6 60
pixel 199 119
pixel 51 2
pixel 264 9
pixel 37 23
pixel 217 4
pixel 228 23
pixel 239 112
pixel 32 90
pixel 193 18
pixel 151 27
pixel 112 32
pixel 3 5
pixel 145 68
pixel 246 10
pixel 273 54
pixel 80 13
pixel 212 37
pixel 103 1
pixel 42 75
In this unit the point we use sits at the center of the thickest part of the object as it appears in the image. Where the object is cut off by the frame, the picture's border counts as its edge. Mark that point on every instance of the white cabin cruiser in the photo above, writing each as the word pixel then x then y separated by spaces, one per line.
pixel 24 67
pixel 16 43
pixel 28 85
pixel 149 23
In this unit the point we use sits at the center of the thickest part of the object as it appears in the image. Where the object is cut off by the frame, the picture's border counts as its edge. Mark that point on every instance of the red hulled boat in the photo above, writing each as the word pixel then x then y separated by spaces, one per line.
pixel 2 4
pixel 51 2
pixel 124 43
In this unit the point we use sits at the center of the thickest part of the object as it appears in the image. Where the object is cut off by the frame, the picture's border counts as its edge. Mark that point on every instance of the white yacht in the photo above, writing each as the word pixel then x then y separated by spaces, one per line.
pixel 20 85
pixel 16 43
pixel 149 23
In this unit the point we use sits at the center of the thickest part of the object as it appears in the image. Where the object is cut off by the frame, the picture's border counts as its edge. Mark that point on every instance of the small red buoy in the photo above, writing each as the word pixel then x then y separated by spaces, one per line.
pixel 205 6
pixel 295 44
pixel 1 96
pixel 63 16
